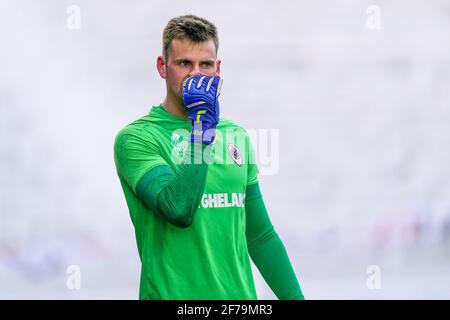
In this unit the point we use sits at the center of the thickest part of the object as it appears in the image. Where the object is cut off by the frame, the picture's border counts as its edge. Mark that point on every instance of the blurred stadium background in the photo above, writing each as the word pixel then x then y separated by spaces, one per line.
pixel 363 114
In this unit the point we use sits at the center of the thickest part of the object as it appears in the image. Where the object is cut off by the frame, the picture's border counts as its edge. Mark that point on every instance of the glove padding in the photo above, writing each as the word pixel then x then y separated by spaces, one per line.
pixel 200 97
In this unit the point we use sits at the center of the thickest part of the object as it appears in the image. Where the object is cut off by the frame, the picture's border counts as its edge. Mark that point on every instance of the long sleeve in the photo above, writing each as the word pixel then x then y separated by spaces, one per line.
pixel 267 250
pixel 175 196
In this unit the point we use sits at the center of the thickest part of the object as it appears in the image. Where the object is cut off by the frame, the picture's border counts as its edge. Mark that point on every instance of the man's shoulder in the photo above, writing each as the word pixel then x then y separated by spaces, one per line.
pixel 136 126
pixel 138 130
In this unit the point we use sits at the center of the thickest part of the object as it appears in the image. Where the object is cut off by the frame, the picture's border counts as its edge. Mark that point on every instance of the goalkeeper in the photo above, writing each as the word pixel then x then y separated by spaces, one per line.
pixel 191 184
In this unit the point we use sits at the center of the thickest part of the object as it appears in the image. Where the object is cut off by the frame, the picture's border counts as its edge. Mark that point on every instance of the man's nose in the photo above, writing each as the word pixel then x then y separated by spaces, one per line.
pixel 195 72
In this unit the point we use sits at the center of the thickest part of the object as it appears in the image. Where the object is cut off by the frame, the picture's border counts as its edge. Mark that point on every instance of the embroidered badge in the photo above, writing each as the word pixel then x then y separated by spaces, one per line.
pixel 235 154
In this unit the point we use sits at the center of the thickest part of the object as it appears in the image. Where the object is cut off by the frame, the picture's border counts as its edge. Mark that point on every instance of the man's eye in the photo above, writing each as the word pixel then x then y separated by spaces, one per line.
pixel 207 64
pixel 184 63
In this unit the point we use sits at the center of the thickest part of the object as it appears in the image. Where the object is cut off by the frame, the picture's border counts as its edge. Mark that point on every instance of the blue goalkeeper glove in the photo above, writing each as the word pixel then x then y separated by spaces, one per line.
pixel 200 97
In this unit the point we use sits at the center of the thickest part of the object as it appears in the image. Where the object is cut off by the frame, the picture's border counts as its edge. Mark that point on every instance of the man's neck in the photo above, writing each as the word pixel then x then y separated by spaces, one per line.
pixel 174 107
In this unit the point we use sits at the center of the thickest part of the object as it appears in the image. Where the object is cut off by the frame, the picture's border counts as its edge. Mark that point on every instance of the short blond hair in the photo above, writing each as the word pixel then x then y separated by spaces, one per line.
pixel 189 27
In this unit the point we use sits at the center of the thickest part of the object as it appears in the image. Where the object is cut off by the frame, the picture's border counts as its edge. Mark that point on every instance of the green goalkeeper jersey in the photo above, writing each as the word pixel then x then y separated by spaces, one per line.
pixel 209 259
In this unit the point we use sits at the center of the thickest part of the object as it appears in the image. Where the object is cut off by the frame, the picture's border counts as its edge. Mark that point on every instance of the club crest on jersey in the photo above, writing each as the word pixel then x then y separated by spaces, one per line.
pixel 235 154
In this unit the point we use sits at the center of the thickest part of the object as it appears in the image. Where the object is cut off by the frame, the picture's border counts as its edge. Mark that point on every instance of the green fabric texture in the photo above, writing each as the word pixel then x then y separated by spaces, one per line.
pixel 267 250
pixel 157 172
pixel 175 196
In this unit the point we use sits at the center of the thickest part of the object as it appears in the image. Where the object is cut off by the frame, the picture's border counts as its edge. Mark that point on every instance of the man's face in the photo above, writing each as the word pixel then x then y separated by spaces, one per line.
pixel 186 59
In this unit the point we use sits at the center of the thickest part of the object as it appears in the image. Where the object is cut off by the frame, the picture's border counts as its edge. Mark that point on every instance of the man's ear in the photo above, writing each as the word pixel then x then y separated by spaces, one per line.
pixel 161 66
pixel 217 73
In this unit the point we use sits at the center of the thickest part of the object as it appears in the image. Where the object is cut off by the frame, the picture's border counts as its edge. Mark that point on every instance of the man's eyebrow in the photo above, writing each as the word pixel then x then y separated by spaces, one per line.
pixel 187 60
pixel 182 59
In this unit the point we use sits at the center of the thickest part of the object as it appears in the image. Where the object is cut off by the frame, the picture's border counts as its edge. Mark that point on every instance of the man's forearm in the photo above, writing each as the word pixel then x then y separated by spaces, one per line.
pixel 176 196
pixel 267 250
pixel 273 262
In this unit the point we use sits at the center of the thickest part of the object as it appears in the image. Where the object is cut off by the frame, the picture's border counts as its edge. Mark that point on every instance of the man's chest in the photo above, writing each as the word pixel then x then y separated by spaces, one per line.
pixel 226 158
